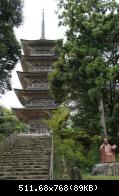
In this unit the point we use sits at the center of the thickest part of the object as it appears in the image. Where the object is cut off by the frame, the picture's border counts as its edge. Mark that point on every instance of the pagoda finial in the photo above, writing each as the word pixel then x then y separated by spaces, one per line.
pixel 43 26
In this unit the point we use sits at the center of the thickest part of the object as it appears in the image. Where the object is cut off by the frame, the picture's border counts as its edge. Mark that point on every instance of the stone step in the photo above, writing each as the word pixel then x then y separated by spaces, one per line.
pixel 18 169
pixel 26 157
pixel 24 166
pixel 31 144
pixel 12 151
pixel 20 159
pixel 13 173
pixel 25 160
pixel 30 147
pixel 27 143
pixel 39 157
pixel 24 169
pixel 25 152
pixel 33 140
pixel 24 163
pixel 26 177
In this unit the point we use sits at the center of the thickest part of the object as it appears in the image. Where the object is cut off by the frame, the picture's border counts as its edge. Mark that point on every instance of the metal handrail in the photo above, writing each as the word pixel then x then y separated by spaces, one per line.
pixel 51 159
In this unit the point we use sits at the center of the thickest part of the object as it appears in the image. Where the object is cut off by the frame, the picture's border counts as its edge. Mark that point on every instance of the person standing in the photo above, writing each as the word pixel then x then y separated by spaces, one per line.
pixel 107 152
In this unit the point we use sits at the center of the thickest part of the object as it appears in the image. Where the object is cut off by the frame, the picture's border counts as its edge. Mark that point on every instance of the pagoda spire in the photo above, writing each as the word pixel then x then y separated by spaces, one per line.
pixel 43 26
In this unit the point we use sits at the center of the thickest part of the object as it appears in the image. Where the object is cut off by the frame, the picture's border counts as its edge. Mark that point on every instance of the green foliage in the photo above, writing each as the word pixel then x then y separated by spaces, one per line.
pixel 88 67
pixel 2 136
pixel 73 147
pixel 9 122
pixel 87 71
pixel 89 177
pixel 58 118
pixel 10 17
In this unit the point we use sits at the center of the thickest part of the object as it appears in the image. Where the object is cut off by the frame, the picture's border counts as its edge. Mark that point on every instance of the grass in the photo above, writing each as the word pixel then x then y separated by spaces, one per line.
pixel 90 177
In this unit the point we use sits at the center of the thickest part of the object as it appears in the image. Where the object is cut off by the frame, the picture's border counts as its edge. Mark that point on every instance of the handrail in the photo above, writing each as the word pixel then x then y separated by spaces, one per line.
pixel 51 159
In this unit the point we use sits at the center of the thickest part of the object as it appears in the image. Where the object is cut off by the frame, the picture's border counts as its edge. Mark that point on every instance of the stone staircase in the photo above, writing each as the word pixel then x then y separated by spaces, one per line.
pixel 25 157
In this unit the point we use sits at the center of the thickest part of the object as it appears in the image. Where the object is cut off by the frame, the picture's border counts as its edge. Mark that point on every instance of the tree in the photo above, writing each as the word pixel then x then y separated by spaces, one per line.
pixel 88 67
pixel 9 122
pixel 59 119
pixel 10 17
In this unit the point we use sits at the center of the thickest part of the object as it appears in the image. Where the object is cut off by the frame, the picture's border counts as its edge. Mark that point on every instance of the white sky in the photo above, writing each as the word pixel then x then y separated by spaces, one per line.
pixel 31 29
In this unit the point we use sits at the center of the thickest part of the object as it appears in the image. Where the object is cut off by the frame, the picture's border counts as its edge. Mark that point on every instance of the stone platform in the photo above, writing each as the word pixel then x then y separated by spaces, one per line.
pixel 106 169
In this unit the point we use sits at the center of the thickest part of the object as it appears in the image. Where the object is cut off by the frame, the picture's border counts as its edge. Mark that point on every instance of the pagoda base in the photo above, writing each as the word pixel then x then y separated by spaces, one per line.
pixel 106 169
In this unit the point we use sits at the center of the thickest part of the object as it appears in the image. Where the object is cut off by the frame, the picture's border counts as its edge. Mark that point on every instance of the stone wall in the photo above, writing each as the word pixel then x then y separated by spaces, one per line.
pixel 107 169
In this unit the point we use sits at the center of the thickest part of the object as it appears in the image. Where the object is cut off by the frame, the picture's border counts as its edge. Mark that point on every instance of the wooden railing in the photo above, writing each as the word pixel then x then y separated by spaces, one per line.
pixel 40 69
pixel 47 53
pixel 38 86
pixel 42 105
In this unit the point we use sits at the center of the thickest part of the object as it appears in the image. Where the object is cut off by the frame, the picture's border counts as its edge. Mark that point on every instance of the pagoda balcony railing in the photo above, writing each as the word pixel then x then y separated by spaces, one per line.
pixel 42 53
pixel 41 69
pixel 38 87
pixel 40 129
pixel 42 105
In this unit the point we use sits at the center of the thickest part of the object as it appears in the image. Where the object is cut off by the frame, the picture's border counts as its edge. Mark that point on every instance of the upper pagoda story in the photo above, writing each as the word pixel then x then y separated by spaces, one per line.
pixel 41 47
pixel 39 55
pixel 39 64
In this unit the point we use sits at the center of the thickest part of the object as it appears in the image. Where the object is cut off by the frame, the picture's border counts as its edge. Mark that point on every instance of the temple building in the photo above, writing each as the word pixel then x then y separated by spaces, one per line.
pixel 37 62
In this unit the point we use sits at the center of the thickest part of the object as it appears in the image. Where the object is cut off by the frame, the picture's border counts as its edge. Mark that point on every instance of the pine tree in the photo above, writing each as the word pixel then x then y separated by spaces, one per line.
pixel 10 17
pixel 87 72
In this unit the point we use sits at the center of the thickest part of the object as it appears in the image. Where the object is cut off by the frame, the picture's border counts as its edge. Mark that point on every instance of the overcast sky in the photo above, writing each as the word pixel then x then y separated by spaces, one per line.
pixel 31 29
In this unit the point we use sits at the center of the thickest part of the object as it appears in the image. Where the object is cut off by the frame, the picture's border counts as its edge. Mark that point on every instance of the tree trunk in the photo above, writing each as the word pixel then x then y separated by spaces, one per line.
pixel 102 117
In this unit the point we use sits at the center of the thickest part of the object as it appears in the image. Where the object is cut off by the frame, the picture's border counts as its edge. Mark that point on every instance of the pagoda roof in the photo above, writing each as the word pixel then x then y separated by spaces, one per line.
pixel 26 114
pixel 32 74
pixel 27 61
pixel 40 58
pixel 27 95
pixel 27 45
pixel 40 42
pixel 26 77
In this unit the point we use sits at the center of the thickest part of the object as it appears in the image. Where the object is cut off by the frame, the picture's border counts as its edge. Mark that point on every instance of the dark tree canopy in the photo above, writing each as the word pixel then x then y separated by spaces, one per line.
pixel 10 17
pixel 89 64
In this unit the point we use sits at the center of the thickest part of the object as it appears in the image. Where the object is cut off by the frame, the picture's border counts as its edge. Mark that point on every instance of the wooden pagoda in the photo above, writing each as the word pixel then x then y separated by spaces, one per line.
pixel 36 62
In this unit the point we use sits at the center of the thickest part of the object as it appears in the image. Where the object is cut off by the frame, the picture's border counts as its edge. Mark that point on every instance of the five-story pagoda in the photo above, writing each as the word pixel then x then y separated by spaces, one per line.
pixel 36 62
